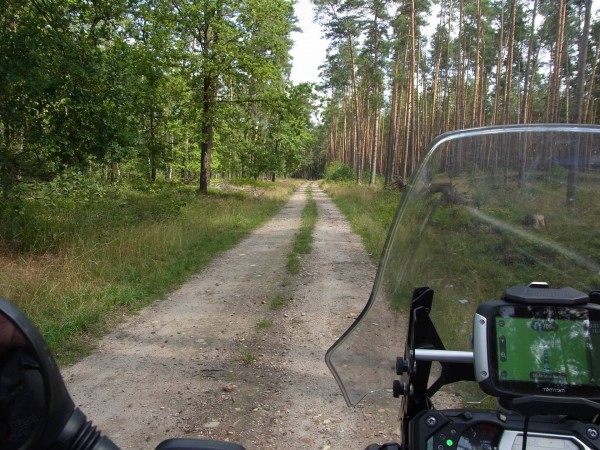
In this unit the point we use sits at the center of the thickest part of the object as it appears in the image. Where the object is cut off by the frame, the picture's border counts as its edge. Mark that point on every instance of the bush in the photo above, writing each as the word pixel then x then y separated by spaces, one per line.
pixel 336 171
pixel 18 228
pixel 50 216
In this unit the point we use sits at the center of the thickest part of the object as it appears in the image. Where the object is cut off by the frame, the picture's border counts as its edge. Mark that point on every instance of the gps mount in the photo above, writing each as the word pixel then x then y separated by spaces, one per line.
pixel 534 317
pixel 540 293
pixel 538 350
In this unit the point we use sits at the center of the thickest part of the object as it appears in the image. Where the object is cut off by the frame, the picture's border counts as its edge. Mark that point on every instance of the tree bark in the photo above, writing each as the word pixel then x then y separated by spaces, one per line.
pixel 555 78
pixel 499 59
pixel 393 128
pixel 208 102
pixel 524 114
pixel 509 64
pixel 477 81
pixel 583 46
pixel 376 95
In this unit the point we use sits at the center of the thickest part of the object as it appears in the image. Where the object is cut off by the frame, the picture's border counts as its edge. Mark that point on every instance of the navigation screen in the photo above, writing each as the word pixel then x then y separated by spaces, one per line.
pixel 548 351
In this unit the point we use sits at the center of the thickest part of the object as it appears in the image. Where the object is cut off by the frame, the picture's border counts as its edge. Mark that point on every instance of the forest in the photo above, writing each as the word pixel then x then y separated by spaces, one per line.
pixel 398 74
pixel 147 89
pixel 190 90
pixel 115 114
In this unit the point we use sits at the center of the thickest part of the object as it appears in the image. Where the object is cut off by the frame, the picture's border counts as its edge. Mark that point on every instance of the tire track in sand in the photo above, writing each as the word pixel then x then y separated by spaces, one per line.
pixel 175 369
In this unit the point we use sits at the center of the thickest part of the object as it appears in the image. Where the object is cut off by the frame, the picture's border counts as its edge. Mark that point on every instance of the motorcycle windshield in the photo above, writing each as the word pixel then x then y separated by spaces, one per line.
pixel 486 209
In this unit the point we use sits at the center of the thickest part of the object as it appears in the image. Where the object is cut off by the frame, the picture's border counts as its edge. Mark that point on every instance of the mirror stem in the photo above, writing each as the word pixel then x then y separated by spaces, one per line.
pixel 80 434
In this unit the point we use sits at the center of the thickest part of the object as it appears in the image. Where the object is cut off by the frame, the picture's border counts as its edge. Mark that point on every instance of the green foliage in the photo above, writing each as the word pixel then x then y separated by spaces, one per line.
pixel 116 87
pixel 304 238
pixel 119 251
pixel 336 171
pixel 293 263
pixel 50 216
pixel 247 356
pixel 264 324
pixel 272 137
pixel 251 182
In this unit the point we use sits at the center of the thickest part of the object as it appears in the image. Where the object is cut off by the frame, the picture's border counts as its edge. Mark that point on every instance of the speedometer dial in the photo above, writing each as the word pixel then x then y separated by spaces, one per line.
pixel 481 436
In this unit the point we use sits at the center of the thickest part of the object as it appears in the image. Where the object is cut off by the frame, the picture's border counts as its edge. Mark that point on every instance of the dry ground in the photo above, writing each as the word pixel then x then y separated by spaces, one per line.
pixel 177 369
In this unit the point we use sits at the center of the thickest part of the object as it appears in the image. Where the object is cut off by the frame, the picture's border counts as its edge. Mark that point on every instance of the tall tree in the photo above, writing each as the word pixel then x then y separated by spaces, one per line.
pixel 582 61
pixel 344 24
pixel 230 42
pixel 487 62
pixel 524 113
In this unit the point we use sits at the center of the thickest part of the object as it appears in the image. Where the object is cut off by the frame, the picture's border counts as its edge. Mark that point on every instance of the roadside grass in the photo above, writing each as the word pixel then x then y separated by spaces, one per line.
pixel 302 244
pixel 91 261
pixel 369 209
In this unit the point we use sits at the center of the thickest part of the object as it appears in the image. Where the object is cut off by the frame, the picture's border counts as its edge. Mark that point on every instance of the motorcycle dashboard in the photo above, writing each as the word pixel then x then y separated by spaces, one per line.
pixel 550 350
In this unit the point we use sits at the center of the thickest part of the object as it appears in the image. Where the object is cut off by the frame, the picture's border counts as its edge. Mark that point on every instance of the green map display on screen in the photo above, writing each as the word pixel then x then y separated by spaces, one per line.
pixel 552 351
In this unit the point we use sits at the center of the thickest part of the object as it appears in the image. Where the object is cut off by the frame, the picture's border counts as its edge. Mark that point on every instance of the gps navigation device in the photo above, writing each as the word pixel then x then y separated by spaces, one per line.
pixel 525 349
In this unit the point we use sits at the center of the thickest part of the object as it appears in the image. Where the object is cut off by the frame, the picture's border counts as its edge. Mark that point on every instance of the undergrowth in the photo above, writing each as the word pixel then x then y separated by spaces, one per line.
pixel 77 262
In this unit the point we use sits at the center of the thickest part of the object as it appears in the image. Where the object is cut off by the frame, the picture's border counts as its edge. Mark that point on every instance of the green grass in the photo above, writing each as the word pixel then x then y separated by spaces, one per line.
pixel 93 260
pixel 370 211
pixel 293 263
pixel 471 253
pixel 264 324
pixel 278 302
pixel 247 356
pixel 303 239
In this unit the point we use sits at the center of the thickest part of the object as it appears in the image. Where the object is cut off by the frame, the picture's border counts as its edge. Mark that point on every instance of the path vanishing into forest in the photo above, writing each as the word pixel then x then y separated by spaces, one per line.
pixel 177 368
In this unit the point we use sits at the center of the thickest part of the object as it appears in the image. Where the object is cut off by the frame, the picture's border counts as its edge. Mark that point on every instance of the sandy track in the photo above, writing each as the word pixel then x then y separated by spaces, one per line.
pixel 176 369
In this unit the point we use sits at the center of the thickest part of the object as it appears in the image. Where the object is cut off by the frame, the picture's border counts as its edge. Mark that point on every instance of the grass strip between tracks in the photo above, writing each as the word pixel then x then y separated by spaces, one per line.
pixel 303 239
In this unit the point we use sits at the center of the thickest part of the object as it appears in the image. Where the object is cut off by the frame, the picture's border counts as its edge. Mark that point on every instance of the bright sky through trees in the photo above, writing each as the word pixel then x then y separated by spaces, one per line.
pixel 309 45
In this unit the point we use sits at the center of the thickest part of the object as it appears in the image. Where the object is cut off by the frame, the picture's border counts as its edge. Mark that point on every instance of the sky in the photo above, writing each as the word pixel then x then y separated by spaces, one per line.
pixel 309 46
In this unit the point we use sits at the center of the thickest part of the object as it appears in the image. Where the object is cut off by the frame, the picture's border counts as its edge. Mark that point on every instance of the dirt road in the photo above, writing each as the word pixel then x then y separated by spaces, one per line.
pixel 214 360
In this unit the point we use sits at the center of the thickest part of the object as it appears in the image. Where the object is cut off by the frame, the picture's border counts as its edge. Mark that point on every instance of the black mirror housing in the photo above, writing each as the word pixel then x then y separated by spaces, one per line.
pixel 36 410
pixel 197 444
pixel 58 423
pixel 57 406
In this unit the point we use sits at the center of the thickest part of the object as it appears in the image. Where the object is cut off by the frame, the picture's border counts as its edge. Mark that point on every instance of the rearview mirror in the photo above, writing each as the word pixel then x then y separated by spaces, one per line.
pixel 36 410
pixel 34 403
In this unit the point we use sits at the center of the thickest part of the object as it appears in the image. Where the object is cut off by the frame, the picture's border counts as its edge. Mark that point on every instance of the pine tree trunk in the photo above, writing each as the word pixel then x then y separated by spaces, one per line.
pixel 509 63
pixel 588 114
pixel 528 76
pixel 376 95
pixel 358 150
pixel 583 46
pixel 499 59
pixel 458 123
pixel 477 82
pixel 555 78
pixel 393 130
